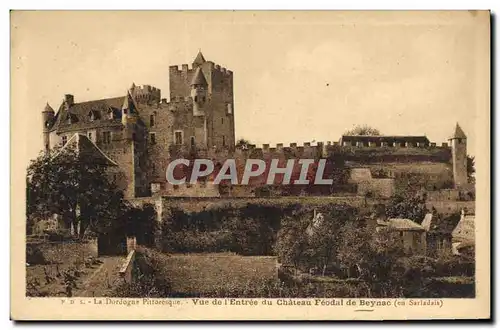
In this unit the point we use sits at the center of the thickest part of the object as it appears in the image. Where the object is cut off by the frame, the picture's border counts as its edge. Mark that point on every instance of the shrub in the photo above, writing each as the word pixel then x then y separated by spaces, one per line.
pixel 34 256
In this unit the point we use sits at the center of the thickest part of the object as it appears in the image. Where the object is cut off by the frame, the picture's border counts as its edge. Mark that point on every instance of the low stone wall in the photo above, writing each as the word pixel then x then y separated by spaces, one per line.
pixel 450 207
pixel 128 268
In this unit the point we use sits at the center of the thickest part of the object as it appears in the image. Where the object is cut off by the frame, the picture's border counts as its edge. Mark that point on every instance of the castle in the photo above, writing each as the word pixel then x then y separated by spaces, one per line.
pixel 141 132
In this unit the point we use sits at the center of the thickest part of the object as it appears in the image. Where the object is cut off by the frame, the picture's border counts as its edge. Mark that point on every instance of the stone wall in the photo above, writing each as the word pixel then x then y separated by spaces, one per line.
pixel 378 188
pixel 450 207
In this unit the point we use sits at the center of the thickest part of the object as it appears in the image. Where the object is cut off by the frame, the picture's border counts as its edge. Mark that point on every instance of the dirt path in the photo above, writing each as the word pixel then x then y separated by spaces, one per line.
pixel 103 279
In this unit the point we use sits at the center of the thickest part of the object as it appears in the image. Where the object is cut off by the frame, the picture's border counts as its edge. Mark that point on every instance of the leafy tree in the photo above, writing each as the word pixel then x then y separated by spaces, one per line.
pixel 471 170
pixel 291 242
pixel 242 143
pixel 408 207
pixel 142 223
pixel 362 130
pixel 75 187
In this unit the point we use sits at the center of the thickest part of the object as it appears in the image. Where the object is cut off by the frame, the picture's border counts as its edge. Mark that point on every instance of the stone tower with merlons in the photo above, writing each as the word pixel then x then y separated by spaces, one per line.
pixel 210 87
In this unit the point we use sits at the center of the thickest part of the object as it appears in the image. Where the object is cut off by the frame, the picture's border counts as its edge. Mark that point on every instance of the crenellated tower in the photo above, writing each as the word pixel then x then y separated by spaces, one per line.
pixel 210 87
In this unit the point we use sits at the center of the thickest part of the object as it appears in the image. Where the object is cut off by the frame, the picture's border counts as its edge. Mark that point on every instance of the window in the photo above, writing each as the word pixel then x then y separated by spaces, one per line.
pixel 151 120
pixel 110 114
pixel 64 140
pixel 204 99
pixel 106 137
pixel 224 140
pixel 196 98
pixel 229 109
pixel 178 137
pixel 89 135
pixel 152 138
pixel 193 144
pixel 222 121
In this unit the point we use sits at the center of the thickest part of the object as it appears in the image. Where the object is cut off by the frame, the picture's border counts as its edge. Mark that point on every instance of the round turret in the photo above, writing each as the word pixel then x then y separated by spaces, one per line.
pixel 48 115
pixel 198 91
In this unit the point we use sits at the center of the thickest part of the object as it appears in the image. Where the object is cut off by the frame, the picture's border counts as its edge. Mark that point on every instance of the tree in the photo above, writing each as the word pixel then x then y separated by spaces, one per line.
pixel 471 170
pixel 408 207
pixel 362 130
pixel 291 242
pixel 75 187
pixel 141 222
pixel 242 143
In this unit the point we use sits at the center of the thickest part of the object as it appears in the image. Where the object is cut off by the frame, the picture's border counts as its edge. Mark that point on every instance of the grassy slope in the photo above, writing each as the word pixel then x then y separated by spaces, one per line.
pixel 218 272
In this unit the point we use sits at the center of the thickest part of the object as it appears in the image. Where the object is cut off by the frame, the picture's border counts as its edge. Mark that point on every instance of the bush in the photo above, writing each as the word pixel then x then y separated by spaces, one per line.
pixel 34 256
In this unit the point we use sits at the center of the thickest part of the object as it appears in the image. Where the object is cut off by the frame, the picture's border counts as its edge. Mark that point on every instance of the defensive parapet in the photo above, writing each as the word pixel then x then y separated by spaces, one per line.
pixel 183 68
pixel 223 70
pixel 280 150
pixel 385 153
pixel 146 94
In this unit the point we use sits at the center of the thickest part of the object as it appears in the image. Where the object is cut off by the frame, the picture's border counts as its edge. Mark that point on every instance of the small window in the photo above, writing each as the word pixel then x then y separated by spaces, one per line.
pixel 193 144
pixel 110 114
pixel 204 99
pixel 196 98
pixel 151 120
pixel 152 138
pixel 64 140
pixel 224 140
pixel 106 137
pixel 222 120
pixel 178 137
pixel 89 135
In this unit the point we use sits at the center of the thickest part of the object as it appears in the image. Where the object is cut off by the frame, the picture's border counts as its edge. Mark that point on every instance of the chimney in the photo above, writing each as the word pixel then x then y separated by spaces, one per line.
pixel 69 100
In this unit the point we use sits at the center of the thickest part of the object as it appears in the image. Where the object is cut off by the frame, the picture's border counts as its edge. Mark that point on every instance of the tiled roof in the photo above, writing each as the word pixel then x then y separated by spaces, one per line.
pixel 48 108
pixel 199 59
pixel 89 114
pixel 87 150
pixel 465 230
pixel 402 224
pixel 199 78
pixel 459 133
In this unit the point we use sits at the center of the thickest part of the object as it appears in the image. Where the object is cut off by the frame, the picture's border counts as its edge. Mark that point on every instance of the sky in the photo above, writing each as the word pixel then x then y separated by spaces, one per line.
pixel 298 76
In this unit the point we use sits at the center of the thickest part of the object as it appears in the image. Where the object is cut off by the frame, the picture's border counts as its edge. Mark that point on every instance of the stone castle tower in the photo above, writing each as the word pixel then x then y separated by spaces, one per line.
pixel 210 87
pixel 458 143
pixel 47 118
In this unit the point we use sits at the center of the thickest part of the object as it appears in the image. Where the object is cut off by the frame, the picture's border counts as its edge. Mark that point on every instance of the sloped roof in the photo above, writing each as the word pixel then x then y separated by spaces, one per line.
pixel 465 230
pixel 459 133
pixel 48 108
pixel 199 78
pixel 402 224
pixel 87 150
pixel 427 223
pixel 199 59
pixel 79 112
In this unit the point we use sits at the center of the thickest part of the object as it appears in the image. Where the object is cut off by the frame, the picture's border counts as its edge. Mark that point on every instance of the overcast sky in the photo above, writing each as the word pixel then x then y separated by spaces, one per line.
pixel 298 77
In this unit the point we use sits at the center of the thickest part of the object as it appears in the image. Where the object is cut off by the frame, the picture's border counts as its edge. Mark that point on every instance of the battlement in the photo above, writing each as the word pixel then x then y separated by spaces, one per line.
pixel 146 93
pixel 223 70
pixel 431 152
pixel 146 89
pixel 182 68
